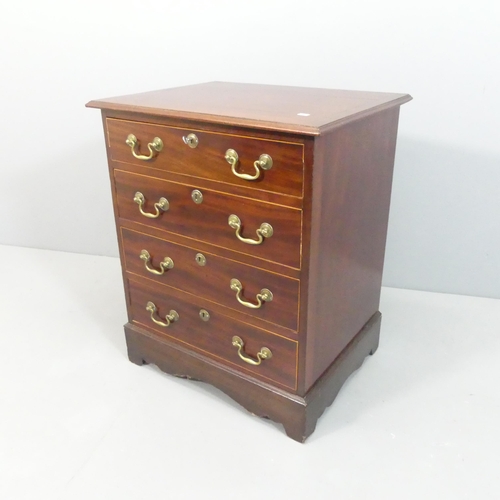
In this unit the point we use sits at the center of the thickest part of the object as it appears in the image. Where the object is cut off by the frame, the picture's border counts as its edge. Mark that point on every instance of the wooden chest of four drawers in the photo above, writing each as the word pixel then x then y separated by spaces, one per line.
pixel 251 221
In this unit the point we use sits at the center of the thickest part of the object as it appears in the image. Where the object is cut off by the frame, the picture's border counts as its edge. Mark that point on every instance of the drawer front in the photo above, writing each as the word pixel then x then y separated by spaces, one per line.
pixel 207 159
pixel 213 335
pixel 208 221
pixel 212 280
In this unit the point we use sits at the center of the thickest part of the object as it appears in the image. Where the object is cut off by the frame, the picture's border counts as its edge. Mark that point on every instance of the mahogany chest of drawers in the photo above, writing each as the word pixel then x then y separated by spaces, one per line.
pixel 251 222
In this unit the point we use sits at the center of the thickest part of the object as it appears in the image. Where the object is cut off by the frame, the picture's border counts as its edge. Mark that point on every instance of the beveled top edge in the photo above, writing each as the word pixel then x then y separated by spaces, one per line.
pixel 267 107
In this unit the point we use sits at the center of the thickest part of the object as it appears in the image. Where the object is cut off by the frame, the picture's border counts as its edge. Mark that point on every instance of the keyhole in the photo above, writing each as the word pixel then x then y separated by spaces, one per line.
pixel 204 315
pixel 197 196
pixel 191 140
pixel 200 259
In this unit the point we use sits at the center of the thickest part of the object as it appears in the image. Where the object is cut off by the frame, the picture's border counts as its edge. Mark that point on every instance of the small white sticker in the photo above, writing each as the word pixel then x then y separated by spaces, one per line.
pixel 303 114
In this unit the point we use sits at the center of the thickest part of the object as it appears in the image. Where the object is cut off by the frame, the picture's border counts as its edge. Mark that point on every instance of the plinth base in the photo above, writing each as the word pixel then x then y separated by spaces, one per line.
pixel 297 414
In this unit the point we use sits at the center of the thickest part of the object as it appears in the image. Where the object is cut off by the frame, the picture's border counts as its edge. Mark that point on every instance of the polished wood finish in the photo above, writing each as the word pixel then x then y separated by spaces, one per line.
pixel 265 107
pixel 353 173
pixel 213 337
pixel 328 206
pixel 208 221
pixel 298 414
pixel 207 160
pixel 212 281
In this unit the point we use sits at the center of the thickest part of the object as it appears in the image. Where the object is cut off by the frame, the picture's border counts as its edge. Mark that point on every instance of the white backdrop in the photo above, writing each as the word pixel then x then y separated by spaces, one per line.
pixel 56 55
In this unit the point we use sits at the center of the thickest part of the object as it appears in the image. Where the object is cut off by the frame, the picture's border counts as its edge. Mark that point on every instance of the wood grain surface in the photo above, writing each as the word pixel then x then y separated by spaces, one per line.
pixel 214 337
pixel 350 209
pixel 207 160
pixel 212 281
pixel 288 109
pixel 297 414
pixel 208 221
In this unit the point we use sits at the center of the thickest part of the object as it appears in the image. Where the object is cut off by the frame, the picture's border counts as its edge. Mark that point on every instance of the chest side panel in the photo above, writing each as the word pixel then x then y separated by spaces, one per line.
pixel 351 190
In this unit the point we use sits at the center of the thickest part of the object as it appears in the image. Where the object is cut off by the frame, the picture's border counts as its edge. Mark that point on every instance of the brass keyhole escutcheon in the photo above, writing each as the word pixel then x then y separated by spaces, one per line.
pixel 197 196
pixel 191 140
pixel 204 315
pixel 200 259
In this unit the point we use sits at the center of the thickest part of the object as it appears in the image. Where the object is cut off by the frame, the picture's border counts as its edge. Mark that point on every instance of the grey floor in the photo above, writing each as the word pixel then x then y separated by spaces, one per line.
pixel 419 420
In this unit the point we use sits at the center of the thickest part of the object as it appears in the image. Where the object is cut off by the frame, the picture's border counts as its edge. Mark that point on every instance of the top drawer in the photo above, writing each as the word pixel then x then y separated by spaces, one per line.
pixel 208 158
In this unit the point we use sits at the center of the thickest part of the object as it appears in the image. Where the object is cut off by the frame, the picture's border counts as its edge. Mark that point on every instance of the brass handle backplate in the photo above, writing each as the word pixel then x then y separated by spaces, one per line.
pixel 265 230
pixel 166 263
pixel 154 147
pixel 171 317
pixel 161 205
pixel 265 295
pixel 264 353
pixel 265 162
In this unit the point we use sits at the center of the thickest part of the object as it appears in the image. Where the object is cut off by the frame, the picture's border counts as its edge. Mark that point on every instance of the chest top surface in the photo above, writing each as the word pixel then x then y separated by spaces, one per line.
pixel 301 110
